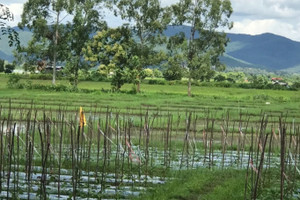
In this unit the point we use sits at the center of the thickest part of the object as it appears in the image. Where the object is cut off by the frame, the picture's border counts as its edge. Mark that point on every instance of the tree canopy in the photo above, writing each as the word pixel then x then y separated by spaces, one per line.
pixel 124 52
pixel 148 20
pixel 87 21
pixel 206 41
pixel 43 18
pixel 113 51
pixel 7 15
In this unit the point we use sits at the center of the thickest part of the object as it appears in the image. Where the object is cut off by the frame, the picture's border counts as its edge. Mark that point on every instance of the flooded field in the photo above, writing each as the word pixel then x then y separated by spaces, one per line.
pixel 109 155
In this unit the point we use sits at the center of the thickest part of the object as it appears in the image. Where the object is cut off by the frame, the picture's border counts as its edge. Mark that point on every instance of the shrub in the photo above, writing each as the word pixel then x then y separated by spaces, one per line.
pixel 296 85
pixel 157 73
pixel 148 72
pixel 41 76
pixel 9 68
pixel 1 65
pixel 224 84
pixel 97 76
pixel 219 78
pixel 156 82
pixel 13 81
pixel 173 72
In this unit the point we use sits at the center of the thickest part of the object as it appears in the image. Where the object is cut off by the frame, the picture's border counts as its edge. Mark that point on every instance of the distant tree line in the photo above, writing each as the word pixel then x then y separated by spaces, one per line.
pixel 6 67
pixel 90 50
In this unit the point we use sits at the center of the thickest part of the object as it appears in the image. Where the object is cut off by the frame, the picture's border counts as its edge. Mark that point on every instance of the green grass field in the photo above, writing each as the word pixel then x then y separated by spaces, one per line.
pixel 167 97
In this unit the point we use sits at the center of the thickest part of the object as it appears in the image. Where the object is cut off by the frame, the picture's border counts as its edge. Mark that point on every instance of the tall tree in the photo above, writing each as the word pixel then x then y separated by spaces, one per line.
pixel 112 49
pixel 7 15
pixel 44 19
pixel 147 20
pixel 87 21
pixel 206 41
pixel 174 68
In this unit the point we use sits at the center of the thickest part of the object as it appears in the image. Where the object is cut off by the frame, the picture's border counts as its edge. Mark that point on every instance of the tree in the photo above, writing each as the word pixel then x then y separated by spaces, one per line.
pixel 86 22
pixel 7 15
pixel 44 19
pixel 113 50
pixel 206 43
pixel 1 65
pixel 174 68
pixel 157 73
pixel 9 68
pixel 147 20
pixel 37 51
pixel 148 72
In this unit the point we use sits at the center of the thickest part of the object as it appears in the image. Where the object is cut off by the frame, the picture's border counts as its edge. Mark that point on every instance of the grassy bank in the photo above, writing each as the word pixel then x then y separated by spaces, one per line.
pixel 216 101
pixel 201 184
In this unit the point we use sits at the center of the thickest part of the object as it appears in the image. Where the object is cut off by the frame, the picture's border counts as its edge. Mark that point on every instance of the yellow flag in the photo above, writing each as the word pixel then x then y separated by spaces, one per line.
pixel 82 118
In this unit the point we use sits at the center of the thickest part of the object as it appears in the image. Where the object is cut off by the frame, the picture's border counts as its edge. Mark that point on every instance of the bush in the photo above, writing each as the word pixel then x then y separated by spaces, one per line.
pixel 156 82
pixel 59 88
pixel 13 81
pixel 97 76
pixel 148 72
pixel 9 68
pixel 219 78
pixel 231 80
pixel 296 85
pixel 1 65
pixel 41 76
pixel 172 73
pixel 157 73
pixel 224 84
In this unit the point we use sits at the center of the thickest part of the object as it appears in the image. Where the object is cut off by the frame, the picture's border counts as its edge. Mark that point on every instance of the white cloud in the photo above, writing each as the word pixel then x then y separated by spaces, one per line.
pixel 16 8
pixel 268 9
pixel 280 17
pixel 168 2
pixel 254 27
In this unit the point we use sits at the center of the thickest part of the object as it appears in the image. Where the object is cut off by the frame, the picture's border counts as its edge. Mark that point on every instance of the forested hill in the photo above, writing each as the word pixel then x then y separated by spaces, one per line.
pixel 266 51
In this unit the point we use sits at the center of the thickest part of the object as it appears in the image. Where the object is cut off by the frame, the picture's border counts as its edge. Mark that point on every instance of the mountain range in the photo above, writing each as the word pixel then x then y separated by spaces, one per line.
pixel 266 51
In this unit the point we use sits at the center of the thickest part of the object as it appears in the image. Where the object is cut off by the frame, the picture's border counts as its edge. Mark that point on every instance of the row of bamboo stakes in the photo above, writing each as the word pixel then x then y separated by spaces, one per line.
pixel 125 146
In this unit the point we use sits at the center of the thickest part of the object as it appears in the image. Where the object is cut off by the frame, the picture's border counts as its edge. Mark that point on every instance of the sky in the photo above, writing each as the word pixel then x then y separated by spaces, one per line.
pixel 280 17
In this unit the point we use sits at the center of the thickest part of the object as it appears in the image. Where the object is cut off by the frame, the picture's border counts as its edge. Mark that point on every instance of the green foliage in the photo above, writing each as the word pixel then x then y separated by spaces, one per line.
pixel 29 67
pixel 9 68
pixel 173 71
pixel 13 35
pixel 149 73
pixel 49 35
pixel 87 20
pixel 205 18
pixel 259 82
pixel 157 82
pixel 219 78
pixel 157 73
pixel 40 76
pixel 201 184
pixel 96 76
pixel 13 81
pixel 113 49
pixel 148 20
pixel 296 85
pixel 174 67
pixel 2 65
